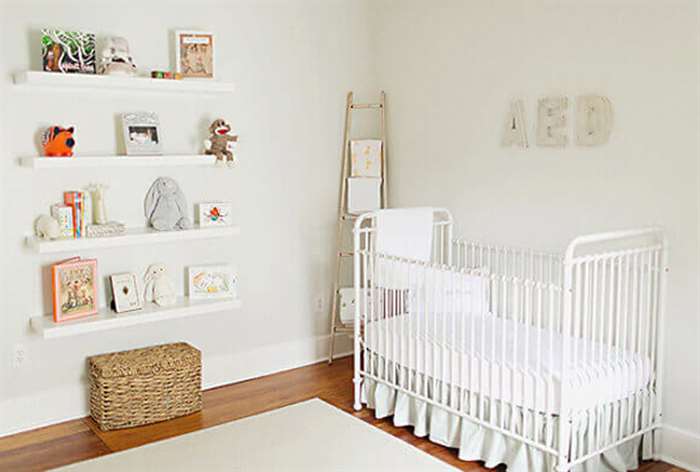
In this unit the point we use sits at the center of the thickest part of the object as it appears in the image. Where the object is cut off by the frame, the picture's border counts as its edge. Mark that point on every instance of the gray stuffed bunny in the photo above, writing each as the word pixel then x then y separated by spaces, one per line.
pixel 165 206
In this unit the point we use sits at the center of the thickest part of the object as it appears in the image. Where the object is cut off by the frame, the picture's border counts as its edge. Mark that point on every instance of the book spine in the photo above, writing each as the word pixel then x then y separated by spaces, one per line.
pixel 64 215
pixel 74 200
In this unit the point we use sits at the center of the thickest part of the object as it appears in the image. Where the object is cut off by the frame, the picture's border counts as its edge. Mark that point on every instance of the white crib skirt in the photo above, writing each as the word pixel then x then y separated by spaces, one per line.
pixel 475 442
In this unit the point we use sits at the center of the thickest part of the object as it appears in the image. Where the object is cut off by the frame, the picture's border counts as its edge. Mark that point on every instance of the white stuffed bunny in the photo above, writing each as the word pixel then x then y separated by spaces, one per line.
pixel 158 288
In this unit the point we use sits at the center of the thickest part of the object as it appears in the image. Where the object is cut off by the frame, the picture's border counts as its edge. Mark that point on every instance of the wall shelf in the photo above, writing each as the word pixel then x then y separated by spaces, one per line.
pixel 53 80
pixel 132 237
pixel 171 160
pixel 106 319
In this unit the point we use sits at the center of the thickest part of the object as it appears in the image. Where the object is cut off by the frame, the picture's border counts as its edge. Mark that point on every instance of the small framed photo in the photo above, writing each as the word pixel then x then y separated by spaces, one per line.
pixel 74 289
pixel 194 54
pixel 212 281
pixel 125 292
pixel 141 133
pixel 213 214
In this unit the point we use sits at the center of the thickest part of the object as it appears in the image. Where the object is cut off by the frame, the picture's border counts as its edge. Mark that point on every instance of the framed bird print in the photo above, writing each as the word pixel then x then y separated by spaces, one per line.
pixel 213 214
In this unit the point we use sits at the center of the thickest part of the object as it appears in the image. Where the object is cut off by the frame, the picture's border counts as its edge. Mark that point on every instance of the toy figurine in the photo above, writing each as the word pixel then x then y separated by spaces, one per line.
pixel 165 206
pixel 158 288
pixel 221 143
pixel 47 227
pixel 116 58
pixel 97 197
pixel 58 142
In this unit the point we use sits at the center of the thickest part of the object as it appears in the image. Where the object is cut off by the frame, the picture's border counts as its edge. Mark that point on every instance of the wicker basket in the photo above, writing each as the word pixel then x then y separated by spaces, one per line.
pixel 143 386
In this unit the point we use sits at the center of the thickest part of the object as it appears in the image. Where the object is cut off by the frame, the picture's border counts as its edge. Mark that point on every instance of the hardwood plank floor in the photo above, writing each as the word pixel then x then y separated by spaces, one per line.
pixel 82 439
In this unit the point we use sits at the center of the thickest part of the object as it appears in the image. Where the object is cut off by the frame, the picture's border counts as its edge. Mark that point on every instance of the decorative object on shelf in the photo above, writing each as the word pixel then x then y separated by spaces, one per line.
pixel 68 51
pixel 161 74
pixel 165 206
pixel 64 216
pixel 143 386
pixel 213 214
pixel 57 141
pixel 141 133
pixel 111 228
pixel 125 293
pixel 74 288
pixel 99 213
pixel 47 227
pixel 157 286
pixel 194 54
pixel 221 143
pixel 116 57
pixel 74 200
pixel 212 281
pixel 594 120
pixel 552 122
pixel 366 158
pixel 514 131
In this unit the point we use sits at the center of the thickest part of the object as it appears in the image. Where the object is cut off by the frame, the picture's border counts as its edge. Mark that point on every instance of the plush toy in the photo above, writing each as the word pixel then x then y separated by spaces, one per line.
pixel 58 142
pixel 221 143
pixel 165 206
pixel 116 58
pixel 158 288
pixel 47 227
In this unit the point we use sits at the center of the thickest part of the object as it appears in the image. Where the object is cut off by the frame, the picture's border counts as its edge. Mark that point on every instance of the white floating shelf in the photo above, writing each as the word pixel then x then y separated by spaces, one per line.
pixel 132 237
pixel 115 83
pixel 174 160
pixel 106 319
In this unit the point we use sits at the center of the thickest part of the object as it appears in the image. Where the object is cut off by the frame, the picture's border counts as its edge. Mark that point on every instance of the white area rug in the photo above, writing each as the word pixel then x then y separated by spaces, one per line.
pixel 309 436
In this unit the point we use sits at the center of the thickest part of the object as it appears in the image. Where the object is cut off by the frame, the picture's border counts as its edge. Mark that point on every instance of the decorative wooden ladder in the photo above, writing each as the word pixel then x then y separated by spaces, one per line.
pixel 345 219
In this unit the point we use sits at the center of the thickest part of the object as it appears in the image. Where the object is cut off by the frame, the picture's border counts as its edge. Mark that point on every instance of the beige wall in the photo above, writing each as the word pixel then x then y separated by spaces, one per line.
pixel 451 68
pixel 292 62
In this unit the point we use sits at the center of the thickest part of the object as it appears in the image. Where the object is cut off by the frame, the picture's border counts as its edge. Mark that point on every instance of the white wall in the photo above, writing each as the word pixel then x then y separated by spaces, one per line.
pixel 451 68
pixel 292 62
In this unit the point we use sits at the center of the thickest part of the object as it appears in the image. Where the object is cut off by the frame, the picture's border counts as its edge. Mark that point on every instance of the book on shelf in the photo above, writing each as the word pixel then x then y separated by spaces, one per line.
pixel 74 200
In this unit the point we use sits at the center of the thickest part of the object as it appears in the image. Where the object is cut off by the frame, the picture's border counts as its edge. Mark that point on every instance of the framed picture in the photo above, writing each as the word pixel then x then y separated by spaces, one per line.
pixel 74 289
pixel 194 54
pixel 213 214
pixel 68 51
pixel 212 281
pixel 141 133
pixel 125 292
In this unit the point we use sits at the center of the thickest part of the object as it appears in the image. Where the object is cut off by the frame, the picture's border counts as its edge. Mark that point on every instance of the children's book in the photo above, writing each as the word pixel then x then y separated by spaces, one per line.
pixel 68 51
pixel 74 288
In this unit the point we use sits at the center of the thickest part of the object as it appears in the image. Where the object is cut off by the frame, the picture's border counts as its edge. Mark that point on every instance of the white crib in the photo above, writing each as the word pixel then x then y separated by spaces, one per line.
pixel 561 353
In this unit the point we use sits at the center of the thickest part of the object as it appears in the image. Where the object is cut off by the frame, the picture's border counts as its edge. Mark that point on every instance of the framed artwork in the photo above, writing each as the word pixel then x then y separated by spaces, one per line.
pixel 74 289
pixel 194 54
pixel 214 214
pixel 366 158
pixel 68 51
pixel 141 133
pixel 212 281
pixel 125 292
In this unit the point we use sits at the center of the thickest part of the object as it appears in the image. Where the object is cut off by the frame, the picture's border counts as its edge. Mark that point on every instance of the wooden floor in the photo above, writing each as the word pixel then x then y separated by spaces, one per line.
pixel 81 439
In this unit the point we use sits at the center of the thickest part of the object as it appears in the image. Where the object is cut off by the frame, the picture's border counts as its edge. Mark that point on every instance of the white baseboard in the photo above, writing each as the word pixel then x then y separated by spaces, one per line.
pixel 680 448
pixel 71 402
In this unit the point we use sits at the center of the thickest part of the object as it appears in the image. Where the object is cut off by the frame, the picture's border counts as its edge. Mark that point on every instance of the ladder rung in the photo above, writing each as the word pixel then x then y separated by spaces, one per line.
pixel 346 253
pixel 348 216
pixel 361 106
pixel 344 329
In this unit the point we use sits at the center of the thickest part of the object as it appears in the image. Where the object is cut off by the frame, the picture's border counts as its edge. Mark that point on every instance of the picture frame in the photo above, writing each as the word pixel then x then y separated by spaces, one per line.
pixel 212 282
pixel 68 52
pixel 194 54
pixel 126 295
pixel 74 283
pixel 142 136
pixel 210 214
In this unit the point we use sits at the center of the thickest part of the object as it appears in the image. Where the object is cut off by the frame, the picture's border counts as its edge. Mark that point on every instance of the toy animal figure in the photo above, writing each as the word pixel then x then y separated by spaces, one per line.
pixel 158 288
pixel 221 143
pixel 58 142
pixel 116 58
pixel 47 227
pixel 165 206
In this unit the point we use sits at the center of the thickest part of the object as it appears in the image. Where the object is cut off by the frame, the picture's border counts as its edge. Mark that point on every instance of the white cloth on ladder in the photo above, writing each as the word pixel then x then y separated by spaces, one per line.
pixel 405 232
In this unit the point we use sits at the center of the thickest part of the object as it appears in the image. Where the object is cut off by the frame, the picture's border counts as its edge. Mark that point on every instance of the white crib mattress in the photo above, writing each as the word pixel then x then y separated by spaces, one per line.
pixel 606 376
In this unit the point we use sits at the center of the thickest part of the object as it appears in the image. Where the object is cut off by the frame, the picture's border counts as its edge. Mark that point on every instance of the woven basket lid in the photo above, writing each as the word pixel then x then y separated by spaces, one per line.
pixel 145 362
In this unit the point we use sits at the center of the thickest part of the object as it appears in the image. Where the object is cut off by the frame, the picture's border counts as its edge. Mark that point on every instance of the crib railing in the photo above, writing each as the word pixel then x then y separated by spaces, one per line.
pixel 507 337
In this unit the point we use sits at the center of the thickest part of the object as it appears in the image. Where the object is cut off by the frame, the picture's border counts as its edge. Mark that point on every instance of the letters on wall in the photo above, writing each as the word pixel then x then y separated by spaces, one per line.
pixel 592 127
